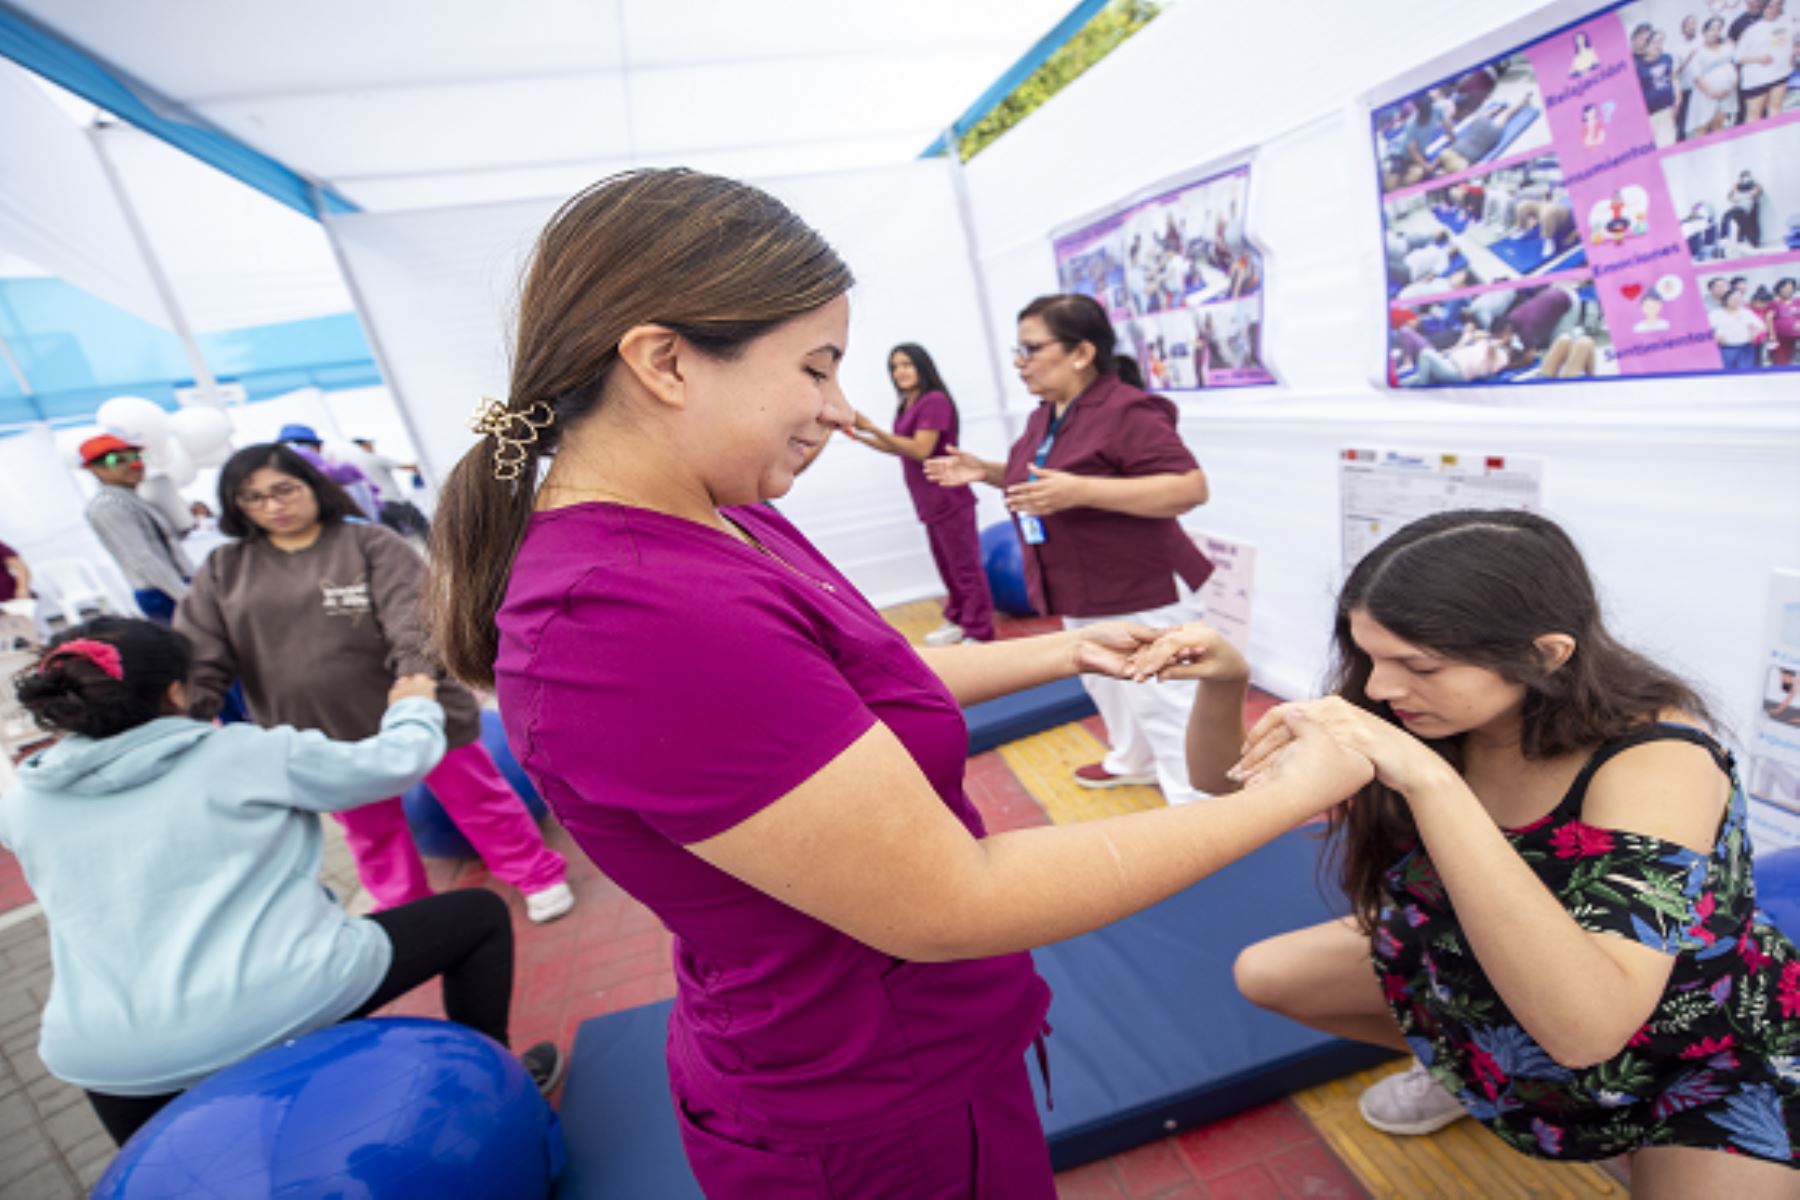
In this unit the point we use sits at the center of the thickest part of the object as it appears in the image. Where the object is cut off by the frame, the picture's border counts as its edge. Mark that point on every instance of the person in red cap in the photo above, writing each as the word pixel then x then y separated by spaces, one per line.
pixel 140 538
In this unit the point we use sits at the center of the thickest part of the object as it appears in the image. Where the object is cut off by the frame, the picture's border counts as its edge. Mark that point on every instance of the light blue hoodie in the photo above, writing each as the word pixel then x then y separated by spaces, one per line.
pixel 178 865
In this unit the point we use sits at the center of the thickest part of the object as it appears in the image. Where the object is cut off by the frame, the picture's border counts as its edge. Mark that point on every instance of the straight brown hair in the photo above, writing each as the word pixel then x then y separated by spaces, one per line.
pixel 1481 586
pixel 717 261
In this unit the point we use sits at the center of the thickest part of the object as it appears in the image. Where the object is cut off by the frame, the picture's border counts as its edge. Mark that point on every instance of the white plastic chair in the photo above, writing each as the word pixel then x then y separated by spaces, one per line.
pixel 76 589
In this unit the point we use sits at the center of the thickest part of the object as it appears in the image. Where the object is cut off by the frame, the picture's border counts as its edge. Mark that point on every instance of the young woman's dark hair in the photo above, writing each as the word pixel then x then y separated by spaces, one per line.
pixel 719 262
pixel 334 503
pixel 71 693
pixel 1073 319
pixel 1786 281
pixel 929 379
pixel 1480 587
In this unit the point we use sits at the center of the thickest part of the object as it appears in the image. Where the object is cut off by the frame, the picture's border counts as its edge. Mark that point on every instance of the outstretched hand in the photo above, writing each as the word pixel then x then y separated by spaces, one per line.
pixel 1310 758
pixel 1109 647
pixel 409 687
pixel 1400 760
pixel 1192 651
pixel 956 467
pixel 1046 492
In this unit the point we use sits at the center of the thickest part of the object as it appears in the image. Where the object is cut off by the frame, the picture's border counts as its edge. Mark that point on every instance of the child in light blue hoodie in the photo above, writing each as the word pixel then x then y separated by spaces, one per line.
pixel 178 866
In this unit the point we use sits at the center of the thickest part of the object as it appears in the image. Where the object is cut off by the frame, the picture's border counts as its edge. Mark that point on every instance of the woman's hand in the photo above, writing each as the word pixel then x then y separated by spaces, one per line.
pixel 1311 758
pixel 862 422
pixel 1046 492
pixel 955 468
pixel 1402 762
pixel 409 687
pixel 1109 647
pixel 1192 651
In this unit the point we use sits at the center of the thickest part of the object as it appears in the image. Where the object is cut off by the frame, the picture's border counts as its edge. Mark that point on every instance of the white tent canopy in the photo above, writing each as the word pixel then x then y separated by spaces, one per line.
pixel 425 103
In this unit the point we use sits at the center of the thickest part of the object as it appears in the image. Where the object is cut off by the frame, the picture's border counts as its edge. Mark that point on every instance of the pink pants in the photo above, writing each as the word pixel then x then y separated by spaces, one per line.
pixel 956 548
pixel 490 814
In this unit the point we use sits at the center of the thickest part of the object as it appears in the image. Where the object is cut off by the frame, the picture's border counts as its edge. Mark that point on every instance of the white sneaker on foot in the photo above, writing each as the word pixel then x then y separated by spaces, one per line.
pixel 947 634
pixel 549 904
pixel 1410 1103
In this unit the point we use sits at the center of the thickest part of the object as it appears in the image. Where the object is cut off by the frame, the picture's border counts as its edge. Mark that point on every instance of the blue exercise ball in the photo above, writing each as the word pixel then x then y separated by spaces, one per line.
pixel 385 1107
pixel 1004 561
pixel 433 831
pixel 1778 889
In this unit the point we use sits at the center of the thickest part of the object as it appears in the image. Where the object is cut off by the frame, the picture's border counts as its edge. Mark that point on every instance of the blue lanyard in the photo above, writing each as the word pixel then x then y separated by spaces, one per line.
pixel 1043 451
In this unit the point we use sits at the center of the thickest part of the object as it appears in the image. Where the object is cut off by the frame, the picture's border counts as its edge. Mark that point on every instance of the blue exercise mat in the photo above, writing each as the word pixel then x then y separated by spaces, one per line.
pixel 1525 253
pixel 1455 219
pixel 1150 1036
pixel 996 722
pixel 1517 124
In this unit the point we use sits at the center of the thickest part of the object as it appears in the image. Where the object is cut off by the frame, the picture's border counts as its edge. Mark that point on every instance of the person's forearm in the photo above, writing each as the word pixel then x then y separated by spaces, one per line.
pixel 1215 734
pixel 978 671
pixel 914 447
pixel 1154 496
pixel 1574 999
pixel 1042 885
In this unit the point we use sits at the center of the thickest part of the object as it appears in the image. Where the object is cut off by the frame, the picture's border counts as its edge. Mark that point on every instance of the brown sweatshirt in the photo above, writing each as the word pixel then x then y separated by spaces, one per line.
pixel 317 636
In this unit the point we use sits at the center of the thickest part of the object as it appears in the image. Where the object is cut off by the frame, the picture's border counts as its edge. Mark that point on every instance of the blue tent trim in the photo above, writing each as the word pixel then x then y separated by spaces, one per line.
pixel 68 66
pixel 1016 74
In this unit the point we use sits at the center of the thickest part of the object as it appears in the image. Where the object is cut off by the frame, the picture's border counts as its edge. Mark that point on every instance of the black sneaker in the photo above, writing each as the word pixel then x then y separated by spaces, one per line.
pixel 544 1063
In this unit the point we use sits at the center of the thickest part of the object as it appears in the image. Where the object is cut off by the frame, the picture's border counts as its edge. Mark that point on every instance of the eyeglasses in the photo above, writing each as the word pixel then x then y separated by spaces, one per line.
pixel 281 493
pixel 1025 351
pixel 118 458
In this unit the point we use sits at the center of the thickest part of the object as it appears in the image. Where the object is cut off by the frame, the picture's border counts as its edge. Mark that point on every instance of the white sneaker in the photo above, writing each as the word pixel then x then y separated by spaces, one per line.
pixel 1410 1103
pixel 947 634
pixel 549 904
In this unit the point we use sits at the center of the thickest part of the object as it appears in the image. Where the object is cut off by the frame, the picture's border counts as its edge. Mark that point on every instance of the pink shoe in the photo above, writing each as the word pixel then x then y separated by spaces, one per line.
pixel 1095 775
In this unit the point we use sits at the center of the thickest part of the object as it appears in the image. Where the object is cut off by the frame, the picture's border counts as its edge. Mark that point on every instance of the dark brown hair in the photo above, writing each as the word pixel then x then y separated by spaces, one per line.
pixel 1480 587
pixel 70 694
pixel 1073 319
pixel 334 502
pixel 719 262
pixel 924 368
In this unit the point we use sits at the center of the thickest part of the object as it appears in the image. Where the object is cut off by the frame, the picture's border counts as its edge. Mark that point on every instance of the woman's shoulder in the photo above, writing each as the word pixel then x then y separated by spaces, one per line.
pixel 1668 778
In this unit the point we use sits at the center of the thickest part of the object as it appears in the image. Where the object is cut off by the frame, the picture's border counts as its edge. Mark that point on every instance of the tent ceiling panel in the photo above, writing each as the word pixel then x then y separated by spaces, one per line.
pixel 411 100
pixel 57 210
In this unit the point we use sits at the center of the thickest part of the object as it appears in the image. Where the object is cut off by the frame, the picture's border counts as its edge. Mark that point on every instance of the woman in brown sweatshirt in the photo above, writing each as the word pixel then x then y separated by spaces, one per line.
pixel 317 613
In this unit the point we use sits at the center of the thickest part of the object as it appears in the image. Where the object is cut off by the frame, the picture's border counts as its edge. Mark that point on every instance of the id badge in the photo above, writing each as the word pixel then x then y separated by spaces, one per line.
pixel 1032 530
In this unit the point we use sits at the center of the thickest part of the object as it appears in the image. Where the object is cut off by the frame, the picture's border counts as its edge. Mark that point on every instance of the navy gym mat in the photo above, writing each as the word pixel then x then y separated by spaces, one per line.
pixel 1518 124
pixel 1150 1037
pixel 996 722
pixel 1524 252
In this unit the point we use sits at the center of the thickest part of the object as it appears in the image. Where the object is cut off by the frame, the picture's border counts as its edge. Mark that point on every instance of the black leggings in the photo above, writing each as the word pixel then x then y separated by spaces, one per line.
pixel 465 936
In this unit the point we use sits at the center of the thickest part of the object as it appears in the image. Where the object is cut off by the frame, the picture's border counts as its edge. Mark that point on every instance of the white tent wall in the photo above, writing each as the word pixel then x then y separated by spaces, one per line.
pixel 438 291
pixel 1682 493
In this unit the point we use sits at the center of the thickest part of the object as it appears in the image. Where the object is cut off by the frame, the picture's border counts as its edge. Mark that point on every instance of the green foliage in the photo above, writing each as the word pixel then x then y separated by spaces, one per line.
pixel 1095 40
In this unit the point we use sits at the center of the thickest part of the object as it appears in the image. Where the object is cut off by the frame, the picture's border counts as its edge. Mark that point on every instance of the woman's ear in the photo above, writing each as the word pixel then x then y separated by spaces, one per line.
pixel 1553 650
pixel 652 356
pixel 175 700
pixel 1082 356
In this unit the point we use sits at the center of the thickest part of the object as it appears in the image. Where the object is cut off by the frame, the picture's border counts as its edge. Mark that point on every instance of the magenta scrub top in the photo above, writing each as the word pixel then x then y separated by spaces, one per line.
pixel 931 501
pixel 662 682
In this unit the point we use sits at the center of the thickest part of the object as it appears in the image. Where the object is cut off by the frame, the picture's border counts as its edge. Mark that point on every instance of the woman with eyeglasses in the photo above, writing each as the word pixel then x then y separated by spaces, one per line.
pixel 1096 485
pixel 316 612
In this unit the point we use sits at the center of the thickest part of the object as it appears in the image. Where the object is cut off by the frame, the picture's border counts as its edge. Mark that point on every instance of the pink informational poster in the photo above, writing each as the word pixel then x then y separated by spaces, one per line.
pixel 1181 279
pixel 1620 198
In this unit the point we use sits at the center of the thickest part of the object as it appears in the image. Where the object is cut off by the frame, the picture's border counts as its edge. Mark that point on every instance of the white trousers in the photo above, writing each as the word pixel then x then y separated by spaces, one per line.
pixel 1146 723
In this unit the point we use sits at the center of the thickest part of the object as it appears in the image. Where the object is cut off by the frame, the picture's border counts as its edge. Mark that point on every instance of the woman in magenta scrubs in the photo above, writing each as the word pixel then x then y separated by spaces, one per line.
pixel 738 739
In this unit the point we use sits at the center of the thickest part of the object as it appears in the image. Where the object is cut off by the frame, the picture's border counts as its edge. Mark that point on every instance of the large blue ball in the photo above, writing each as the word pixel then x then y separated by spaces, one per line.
pixel 386 1107
pixel 433 831
pixel 1778 889
pixel 1004 561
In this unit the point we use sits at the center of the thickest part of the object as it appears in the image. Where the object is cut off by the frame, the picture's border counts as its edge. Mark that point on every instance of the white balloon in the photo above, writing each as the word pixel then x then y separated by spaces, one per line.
pixel 139 421
pixel 172 461
pixel 204 432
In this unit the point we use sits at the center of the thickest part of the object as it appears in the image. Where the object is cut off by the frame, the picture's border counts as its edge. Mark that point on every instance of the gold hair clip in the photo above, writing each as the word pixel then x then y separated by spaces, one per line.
pixel 512 432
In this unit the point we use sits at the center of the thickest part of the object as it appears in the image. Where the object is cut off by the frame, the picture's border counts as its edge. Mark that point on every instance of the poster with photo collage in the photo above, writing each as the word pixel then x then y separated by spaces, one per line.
pixel 1618 199
pixel 1181 280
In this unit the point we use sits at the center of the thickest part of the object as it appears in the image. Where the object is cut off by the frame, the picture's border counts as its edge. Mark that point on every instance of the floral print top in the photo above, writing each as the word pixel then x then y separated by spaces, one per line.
pixel 1714 1067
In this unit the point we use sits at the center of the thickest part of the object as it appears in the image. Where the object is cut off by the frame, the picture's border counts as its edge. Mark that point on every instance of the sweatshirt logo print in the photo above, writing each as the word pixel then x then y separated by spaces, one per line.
pixel 346 599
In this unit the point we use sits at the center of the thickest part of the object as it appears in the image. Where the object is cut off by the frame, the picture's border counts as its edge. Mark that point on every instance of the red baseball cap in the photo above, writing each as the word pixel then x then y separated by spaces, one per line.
pixel 106 443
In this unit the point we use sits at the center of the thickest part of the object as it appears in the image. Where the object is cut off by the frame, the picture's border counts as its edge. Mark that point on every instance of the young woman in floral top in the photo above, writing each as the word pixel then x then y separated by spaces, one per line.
pixel 1549 869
